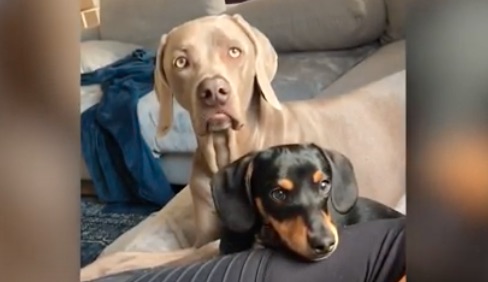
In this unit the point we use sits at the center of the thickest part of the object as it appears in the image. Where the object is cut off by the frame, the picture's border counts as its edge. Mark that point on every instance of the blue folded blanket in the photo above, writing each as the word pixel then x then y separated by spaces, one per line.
pixel 121 164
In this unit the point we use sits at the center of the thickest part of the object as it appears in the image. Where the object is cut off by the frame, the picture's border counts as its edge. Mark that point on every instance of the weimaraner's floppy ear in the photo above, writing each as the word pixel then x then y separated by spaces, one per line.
pixel 266 60
pixel 163 92
pixel 344 192
pixel 232 195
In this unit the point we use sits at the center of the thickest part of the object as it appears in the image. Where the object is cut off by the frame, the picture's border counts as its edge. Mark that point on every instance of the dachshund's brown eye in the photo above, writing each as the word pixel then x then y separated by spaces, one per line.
pixel 325 186
pixel 234 52
pixel 180 62
pixel 278 194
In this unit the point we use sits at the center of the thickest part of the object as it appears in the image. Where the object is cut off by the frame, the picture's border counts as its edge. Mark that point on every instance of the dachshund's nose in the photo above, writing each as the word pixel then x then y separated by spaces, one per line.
pixel 321 245
pixel 213 91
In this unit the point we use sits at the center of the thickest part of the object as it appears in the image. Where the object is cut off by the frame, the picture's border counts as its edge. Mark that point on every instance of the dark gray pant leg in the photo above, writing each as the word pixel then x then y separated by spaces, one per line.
pixel 370 252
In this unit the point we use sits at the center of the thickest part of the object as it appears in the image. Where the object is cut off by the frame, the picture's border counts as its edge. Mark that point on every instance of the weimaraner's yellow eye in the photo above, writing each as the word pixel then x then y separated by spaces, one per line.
pixel 234 52
pixel 180 62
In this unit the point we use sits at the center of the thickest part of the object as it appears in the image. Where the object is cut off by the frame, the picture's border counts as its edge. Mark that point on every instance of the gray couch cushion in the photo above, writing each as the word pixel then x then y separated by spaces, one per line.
pixel 315 25
pixel 142 22
pixel 303 75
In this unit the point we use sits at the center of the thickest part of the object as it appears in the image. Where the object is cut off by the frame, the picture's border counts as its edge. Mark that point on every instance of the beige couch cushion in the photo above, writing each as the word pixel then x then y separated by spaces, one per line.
pixel 142 22
pixel 315 25
pixel 396 20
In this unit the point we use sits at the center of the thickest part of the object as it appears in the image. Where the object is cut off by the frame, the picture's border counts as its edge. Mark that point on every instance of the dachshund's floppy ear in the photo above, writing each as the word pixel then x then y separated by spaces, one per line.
pixel 163 92
pixel 344 192
pixel 231 194
pixel 266 60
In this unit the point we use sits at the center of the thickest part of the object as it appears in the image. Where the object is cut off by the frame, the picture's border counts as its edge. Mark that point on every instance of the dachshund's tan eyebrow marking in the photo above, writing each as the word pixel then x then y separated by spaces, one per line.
pixel 286 184
pixel 317 176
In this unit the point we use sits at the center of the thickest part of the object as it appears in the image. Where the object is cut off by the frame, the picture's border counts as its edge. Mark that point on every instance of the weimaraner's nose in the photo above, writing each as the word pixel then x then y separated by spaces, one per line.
pixel 214 91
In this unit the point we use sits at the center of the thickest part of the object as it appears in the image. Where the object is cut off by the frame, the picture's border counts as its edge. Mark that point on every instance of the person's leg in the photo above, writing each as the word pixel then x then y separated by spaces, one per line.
pixel 370 252
pixel 373 251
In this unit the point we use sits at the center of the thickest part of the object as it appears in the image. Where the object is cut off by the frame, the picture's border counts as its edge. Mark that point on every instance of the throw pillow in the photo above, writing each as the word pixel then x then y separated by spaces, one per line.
pixel 143 22
pixel 315 25
pixel 95 54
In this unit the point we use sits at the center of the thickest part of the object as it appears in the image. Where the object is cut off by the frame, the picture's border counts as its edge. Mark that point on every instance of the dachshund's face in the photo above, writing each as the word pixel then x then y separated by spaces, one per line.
pixel 291 189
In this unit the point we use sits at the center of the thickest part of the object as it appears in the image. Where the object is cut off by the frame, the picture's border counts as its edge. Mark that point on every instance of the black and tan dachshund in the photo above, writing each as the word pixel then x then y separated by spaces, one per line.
pixel 293 197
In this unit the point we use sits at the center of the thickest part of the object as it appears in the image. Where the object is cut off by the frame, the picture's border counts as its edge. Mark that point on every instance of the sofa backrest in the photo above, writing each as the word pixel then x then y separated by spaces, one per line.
pixel 291 25
pixel 142 22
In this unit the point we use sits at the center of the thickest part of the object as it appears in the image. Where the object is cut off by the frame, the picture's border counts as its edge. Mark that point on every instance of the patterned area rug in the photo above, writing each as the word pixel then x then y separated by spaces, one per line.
pixel 101 224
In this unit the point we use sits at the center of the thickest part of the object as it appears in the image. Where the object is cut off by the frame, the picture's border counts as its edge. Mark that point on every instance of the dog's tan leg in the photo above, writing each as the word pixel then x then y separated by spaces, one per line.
pixel 208 225
pixel 207 222
pixel 125 261
pixel 206 219
pixel 204 253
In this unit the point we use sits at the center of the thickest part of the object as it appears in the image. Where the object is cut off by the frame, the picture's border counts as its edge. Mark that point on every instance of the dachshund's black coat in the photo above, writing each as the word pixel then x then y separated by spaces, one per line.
pixel 292 196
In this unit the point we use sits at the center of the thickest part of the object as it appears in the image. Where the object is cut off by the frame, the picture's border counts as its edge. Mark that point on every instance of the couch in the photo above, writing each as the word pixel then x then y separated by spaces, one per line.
pixel 325 47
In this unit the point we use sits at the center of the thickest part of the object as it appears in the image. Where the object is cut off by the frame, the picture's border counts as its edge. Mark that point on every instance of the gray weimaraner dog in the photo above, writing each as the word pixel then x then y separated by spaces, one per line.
pixel 219 68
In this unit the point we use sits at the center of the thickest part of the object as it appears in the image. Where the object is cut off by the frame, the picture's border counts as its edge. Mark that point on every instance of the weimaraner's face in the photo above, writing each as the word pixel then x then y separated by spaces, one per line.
pixel 209 65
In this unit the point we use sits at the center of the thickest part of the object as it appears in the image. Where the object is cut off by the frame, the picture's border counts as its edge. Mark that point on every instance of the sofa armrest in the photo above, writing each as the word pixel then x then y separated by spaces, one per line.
pixel 92 33
pixel 388 60
pixel 396 20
